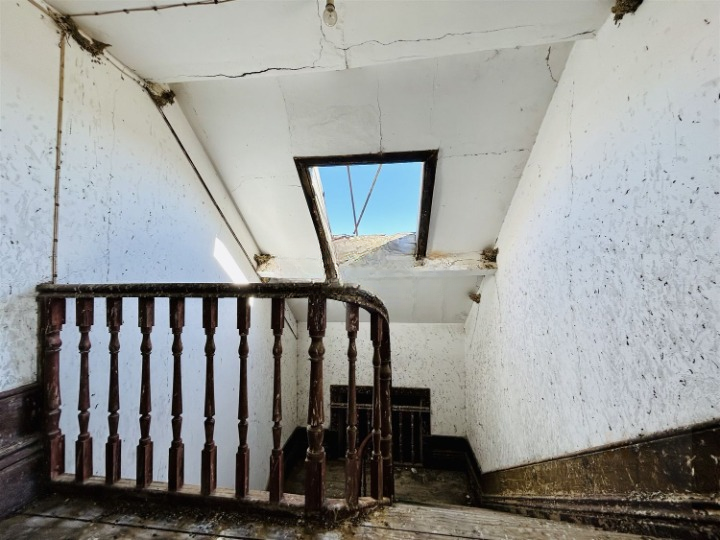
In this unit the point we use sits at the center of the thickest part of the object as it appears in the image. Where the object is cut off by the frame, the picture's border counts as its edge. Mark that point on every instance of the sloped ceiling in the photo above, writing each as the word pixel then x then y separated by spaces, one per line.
pixel 262 82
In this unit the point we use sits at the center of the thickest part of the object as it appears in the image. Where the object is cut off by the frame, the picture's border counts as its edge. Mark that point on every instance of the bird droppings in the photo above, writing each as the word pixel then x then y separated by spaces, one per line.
pixel 69 28
pixel 623 7
pixel 262 258
pixel 490 254
pixel 161 96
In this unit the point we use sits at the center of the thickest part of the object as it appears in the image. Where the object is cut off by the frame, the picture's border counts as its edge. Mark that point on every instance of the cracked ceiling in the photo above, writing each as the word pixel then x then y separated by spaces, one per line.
pixel 263 82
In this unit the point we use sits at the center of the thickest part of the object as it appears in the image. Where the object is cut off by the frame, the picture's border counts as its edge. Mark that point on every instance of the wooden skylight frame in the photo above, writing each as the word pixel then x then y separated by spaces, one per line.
pixel 304 165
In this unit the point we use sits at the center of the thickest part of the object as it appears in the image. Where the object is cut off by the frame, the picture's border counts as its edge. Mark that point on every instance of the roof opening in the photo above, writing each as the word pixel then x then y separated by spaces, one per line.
pixel 375 197
pixel 372 199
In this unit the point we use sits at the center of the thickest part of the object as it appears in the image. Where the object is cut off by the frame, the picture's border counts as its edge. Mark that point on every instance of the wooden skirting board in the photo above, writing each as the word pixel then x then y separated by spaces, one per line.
pixel 21 449
pixel 666 485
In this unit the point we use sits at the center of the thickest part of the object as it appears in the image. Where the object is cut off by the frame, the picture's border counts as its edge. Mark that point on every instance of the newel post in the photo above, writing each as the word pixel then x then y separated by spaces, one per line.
pixel 54 319
pixel 315 457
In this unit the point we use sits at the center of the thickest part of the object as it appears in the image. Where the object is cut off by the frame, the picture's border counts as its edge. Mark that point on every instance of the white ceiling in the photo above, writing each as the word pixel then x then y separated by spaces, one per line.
pixel 262 82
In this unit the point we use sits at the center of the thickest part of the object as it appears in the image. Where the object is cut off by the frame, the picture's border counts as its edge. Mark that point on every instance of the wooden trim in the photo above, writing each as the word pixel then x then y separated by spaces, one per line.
pixel 426 197
pixel 331 291
pixel 366 159
pixel 21 448
pixel 429 159
pixel 666 485
pixel 255 503
pixel 326 249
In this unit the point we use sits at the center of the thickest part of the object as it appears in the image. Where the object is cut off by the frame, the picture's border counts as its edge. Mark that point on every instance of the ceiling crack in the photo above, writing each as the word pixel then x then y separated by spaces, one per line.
pixel 246 74
pixel 438 38
pixel 547 62
pixel 323 37
pixel 287 112
pixel 477 154
pixel 585 33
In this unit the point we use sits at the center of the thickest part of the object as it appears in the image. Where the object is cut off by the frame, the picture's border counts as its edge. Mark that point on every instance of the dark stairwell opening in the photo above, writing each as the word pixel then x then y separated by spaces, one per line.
pixel 428 469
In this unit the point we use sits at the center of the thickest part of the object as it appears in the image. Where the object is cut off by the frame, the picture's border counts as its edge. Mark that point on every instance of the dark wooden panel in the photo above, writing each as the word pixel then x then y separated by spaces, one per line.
pixel 680 463
pixel 21 413
pixel 662 486
pixel 21 449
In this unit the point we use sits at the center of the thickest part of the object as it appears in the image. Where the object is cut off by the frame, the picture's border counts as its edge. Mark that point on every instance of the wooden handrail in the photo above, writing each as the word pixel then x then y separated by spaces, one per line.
pixel 341 293
pixel 52 298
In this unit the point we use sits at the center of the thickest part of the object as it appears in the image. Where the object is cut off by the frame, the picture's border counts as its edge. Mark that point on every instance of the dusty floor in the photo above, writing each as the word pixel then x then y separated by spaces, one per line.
pixel 58 518
pixel 412 485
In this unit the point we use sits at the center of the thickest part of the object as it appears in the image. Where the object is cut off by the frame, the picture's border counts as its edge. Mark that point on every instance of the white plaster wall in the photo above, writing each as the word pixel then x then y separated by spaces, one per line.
pixel 603 320
pixel 30 58
pixel 132 210
pixel 423 356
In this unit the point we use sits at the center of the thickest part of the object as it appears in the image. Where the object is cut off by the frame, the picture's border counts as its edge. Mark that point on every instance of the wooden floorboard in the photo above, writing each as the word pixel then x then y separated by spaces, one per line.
pixel 57 518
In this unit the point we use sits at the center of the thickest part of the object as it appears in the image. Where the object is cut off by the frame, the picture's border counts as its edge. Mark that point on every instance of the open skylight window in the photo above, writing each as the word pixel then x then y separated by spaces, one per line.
pixel 373 198
pixel 391 195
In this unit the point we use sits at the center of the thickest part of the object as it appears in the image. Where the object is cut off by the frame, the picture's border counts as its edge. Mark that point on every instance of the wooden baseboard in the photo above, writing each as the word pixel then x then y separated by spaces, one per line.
pixel 664 486
pixel 21 449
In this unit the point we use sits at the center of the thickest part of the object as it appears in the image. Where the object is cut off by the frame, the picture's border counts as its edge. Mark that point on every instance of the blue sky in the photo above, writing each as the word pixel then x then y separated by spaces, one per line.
pixel 394 204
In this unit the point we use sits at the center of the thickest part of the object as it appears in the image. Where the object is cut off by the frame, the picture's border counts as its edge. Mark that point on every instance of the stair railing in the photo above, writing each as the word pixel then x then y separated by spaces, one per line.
pixel 52 301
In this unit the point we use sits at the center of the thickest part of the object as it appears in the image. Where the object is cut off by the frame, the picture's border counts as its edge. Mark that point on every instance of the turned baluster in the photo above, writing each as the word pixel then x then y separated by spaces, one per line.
pixel 376 478
pixel 208 475
pixel 83 445
pixel 55 440
pixel 113 446
pixel 176 462
pixel 242 458
pixel 146 320
pixel 352 470
pixel 386 408
pixel 276 458
pixel 315 457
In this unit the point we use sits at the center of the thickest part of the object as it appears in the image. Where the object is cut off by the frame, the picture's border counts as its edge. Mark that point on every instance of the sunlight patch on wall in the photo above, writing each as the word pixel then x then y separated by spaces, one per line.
pixel 227 262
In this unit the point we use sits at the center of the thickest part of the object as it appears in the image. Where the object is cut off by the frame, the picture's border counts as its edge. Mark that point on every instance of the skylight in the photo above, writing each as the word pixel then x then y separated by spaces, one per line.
pixel 374 198
pixel 391 195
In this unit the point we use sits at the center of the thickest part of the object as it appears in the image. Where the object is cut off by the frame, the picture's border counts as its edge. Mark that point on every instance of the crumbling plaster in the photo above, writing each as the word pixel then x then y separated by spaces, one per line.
pixel 602 323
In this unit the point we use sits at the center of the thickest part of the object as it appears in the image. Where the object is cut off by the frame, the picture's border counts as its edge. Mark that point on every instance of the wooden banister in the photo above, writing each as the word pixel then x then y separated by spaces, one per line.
pixel 52 299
